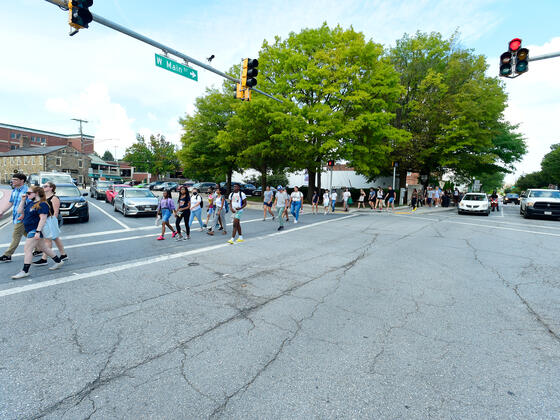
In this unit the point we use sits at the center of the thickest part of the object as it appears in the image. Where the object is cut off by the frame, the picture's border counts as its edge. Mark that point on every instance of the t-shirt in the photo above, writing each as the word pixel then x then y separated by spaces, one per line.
pixel 237 199
pixel 380 193
pixel 391 193
pixel 218 201
pixel 346 195
pixel 268 196
pixel 183 202
pixel 430 193
pixel 455 193
pixel 210 201
pixel 326 197
pixel 281 198
pixel 15 199
pixel 296 196
pixel 167 203
pixel 334 195
pixel 31 216
pixel 315 198
pixel 195 202
pixel 371 195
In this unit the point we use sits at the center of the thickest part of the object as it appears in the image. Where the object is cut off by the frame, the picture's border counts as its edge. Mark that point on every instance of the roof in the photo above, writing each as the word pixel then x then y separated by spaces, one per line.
pixel 32 151
pixel 96 160
pixel 47 133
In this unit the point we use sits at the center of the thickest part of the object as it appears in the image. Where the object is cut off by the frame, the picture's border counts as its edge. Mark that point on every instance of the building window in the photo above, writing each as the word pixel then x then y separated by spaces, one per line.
pixel 33 160
pixel 25 160
pixel 18 136
pixel 43 140
pixel 58 162
pixel 80 163
pixel 75 153
pixel 13 136
pixel 64 151
pixel 33 139
pixel 18 161
pixel 12 160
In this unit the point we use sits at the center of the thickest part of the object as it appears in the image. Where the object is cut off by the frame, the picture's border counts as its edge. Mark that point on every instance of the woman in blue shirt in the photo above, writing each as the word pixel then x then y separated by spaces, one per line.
pixel 34 211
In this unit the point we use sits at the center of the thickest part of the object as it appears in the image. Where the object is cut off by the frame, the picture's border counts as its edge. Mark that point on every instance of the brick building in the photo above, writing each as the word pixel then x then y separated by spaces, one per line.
pixel 15 137
pixel 28 160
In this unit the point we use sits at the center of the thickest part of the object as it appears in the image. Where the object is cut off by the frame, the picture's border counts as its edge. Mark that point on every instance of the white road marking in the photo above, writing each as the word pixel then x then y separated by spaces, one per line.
pixel 502 210
pixel 109 216
pixel 486 226
pixel 148 261
pixel 6 223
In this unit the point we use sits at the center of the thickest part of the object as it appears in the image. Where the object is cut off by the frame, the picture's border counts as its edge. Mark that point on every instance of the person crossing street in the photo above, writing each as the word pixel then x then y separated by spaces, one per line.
pixel 238 201
pixel 280 205
pixel 19 191
pixel 297 200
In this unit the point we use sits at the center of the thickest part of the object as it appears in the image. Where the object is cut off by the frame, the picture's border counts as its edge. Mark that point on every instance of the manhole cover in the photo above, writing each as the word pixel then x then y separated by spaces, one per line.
pixel 193 264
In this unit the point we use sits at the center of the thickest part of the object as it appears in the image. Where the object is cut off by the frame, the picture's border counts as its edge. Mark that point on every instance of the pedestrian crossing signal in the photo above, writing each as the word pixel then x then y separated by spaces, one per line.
pixel 330 163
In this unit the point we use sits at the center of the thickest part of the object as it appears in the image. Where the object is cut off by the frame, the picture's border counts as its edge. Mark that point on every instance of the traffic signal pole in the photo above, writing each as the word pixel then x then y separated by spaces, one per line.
pixel 545 56
pixel 168 50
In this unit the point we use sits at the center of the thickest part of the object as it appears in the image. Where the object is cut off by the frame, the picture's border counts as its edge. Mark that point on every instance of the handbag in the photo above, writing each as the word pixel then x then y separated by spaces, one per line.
pixel 51 229
pixel 350 200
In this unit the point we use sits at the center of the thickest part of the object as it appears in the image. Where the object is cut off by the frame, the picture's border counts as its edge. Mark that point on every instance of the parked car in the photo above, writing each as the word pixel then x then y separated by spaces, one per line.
pixel 474 203
pixel 166 186
pixel 540 202
pixel 511 198
pixel 189 185
pixel 204 187
pixel 113 191
pixel 41 178
pixel 248 189
pixel 133 201
pixel 73 205
pixel 151 185
pixel 142 185
pixel 98 189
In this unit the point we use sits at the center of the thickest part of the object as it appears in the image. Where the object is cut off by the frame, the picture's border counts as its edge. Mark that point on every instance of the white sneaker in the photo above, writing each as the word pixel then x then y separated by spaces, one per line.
pixel 20 275
pixel 295 222
pixel 56 266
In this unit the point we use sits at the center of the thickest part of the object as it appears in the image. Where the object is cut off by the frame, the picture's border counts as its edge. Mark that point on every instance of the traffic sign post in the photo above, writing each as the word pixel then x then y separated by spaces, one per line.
pixel 173 66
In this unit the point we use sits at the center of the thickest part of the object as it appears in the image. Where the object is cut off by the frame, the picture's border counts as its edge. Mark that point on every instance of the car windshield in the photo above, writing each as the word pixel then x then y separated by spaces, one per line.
pixel 512 195
pixel 545 194
pixel 197 185
pixel 130 193
pixel 104 184
pixel 56 179
pixel 67 192
pixel 475 197
pixel 119 187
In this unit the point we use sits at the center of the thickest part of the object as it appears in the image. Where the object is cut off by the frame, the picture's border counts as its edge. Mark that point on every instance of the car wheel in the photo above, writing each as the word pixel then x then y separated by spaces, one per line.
pixel 84 219
pixel 459 212
pixel 525 215
pixel 115 209
pixel 520 211
pixel 125 214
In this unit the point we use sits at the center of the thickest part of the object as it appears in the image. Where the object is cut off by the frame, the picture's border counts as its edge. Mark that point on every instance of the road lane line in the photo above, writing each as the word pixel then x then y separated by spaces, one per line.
pixel 154 260
pixel 109 216
pixel 486 226
pixel 6 223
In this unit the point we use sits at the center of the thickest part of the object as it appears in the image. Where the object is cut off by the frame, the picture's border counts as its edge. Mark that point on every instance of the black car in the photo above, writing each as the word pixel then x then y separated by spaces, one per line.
pixel 98 189
pixel 73 205
pixel 511 198
pixel 151 185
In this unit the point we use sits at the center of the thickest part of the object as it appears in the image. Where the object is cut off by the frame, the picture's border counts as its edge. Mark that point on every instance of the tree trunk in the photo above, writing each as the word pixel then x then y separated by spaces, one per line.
pixel 310 183
pixel 228 182
pixel 263 178
pixel 402 178
pixel 319 180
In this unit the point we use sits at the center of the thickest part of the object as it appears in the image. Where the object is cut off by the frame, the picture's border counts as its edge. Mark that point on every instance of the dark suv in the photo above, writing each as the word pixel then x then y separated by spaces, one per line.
pixel 511 198
pixel 72 203
pixel 98 189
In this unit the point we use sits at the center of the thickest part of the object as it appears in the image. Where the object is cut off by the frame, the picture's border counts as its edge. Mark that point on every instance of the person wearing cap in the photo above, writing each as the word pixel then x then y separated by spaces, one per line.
pixel 280 204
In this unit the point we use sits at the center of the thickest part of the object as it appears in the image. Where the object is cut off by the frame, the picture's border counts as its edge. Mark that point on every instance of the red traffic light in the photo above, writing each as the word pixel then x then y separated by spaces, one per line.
pixel 514 44
pixel 330 163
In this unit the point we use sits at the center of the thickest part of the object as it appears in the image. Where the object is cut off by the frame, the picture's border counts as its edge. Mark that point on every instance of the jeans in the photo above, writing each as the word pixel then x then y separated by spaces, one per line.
pixel 218 216
pixel 280 210
pixel 333 202
pixel 198 214
pixel 296 205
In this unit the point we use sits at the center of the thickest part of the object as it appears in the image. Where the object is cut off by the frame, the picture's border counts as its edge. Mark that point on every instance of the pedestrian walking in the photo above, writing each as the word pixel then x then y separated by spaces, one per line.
pixel 296 200
pixel 429 196
pixel 165 208
pixel 196 209
pixel 334 195
pixel 326 201
pixel 456 197
pixel 436 196
pixel 33 211
pixel 390 197
pixel 267 202
pixel 315 202
pixel 361 199
pixel 414 200
pixel 280 203
pixel 379 203
pixel 219 213
pixel 19 190
pixel 183 212
pixel 371 198
pixel 287 207
pixel 238 201
pixel 346 197
pixel 55 220
pixel 210 211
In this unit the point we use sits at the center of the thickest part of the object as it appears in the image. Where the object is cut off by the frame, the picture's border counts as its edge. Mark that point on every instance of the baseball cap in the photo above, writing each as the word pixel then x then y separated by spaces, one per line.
pixel 280 187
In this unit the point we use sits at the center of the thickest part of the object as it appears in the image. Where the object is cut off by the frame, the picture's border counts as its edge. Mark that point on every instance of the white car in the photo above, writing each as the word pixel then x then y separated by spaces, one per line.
pixel 474 203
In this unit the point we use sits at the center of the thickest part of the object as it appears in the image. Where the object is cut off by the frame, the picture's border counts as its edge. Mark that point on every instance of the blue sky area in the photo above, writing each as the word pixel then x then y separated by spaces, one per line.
pixel 47 77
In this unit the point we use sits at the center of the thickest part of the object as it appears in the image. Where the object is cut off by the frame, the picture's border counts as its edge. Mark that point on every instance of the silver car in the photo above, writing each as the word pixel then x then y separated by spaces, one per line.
pixel 131 201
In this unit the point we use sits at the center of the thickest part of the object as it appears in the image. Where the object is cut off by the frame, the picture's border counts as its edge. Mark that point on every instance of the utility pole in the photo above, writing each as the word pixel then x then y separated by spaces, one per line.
pixel 81 133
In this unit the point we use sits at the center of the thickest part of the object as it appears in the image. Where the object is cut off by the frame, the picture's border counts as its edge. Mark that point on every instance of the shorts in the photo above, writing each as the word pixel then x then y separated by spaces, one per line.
pixel 391 199
pixel 237 215
pixel 165 215
pixel 267 204
pixel 210 211
pixel 32 233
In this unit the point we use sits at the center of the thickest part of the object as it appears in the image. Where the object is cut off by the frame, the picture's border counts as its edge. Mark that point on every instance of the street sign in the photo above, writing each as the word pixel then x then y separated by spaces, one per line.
pixel 173 66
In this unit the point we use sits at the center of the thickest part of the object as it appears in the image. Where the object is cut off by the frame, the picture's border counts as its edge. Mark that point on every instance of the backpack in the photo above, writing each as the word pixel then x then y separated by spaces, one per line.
pixel 226 205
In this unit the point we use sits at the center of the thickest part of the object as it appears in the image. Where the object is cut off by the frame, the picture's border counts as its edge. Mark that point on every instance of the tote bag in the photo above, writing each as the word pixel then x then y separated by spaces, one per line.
pixel 51 229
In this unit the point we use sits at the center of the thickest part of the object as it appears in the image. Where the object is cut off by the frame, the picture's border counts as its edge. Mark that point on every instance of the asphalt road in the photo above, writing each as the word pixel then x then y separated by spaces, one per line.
pixel 381 315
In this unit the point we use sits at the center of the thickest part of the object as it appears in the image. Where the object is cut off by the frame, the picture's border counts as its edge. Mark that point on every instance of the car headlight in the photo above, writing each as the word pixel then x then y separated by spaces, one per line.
pixel 81 204
pixel 530 203
pixel 484 205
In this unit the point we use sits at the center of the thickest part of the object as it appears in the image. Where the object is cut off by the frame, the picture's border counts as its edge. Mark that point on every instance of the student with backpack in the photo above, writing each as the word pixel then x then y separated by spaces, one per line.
pixel 196 209
pixel 219 213
pixel 238 201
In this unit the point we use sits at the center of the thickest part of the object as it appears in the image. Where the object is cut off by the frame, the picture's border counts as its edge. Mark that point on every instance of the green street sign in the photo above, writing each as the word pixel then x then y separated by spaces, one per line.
pixel 173 66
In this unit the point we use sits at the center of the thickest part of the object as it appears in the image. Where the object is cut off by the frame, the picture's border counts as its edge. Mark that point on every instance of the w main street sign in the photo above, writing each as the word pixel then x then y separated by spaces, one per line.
pixel 166 63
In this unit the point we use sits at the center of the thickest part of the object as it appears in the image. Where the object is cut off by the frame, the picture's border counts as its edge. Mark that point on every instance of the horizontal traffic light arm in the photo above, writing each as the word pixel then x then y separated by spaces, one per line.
pixel 106 22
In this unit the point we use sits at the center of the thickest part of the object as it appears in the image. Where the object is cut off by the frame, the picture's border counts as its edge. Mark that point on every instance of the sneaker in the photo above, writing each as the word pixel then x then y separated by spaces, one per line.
pixel 179 237
pixel 210 233
pixel 239 240
pixel 174 234
pixel 295 222
pixel 64 257
pixel 40 262
pixel 231 242
pixel 160 238
pixel 35 253
pixel 280 227
pixel 220 228
pixel 56 266
pixel 273 217
pixel 20 275
pixel 5 258
pixel 186 238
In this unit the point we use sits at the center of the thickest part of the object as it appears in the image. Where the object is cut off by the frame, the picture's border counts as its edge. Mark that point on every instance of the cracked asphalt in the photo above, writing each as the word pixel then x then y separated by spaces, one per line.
pixel 381 316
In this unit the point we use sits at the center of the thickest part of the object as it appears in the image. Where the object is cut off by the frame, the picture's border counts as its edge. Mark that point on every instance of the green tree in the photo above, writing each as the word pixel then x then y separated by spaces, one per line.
pixel 158 156
pixel 491 181
pixel 139 155
pixel 551 164
pixel 531 180
pixel 201 155
pixel 342 93
pixel 108 156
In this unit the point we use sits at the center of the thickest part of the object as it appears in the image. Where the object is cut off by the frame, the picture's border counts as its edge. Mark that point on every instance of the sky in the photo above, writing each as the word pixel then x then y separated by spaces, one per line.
pixel 100 75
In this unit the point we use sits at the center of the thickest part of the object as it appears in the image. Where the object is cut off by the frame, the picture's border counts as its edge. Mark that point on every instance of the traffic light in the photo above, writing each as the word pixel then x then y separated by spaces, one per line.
pixel 239 93
pixel 515 59
pixel 249 73
pixel 79 16
pixel 330 163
